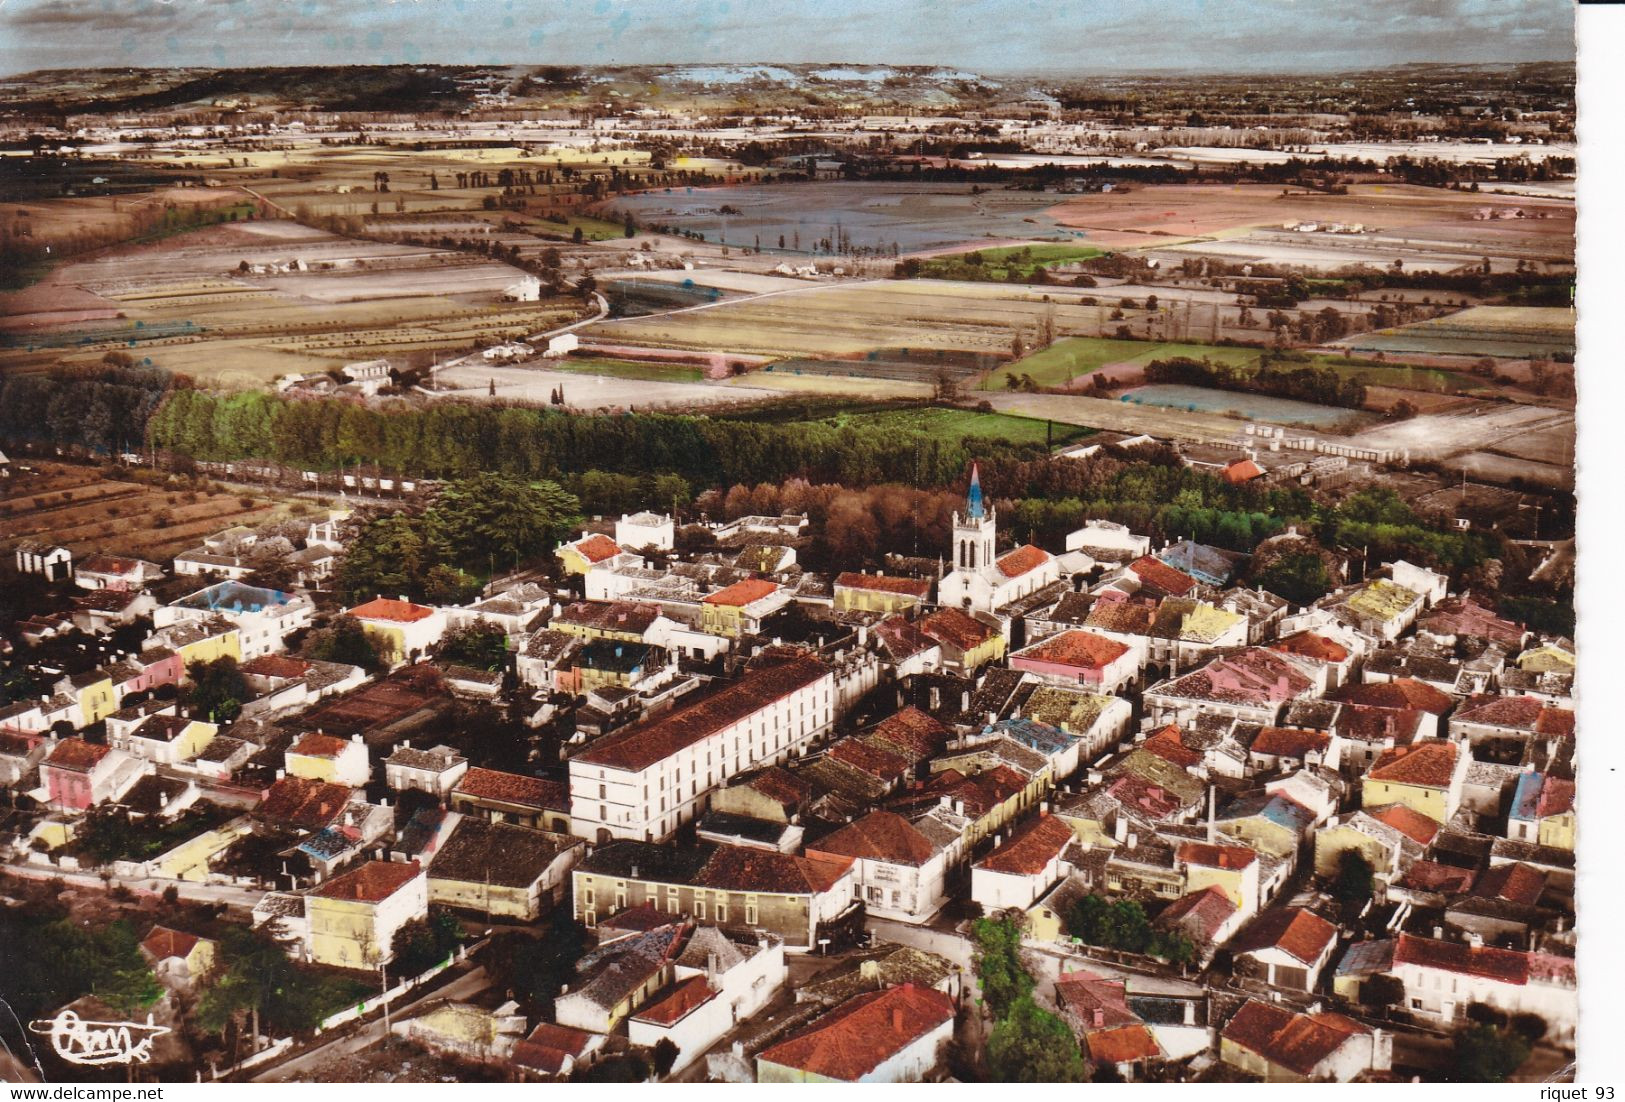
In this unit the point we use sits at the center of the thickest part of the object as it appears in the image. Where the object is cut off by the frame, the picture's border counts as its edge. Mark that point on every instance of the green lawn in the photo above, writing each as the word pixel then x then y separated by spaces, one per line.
pixel 1070 357
pixel 592 229
pixel 997 264
pixel 627 369
pixel 956 424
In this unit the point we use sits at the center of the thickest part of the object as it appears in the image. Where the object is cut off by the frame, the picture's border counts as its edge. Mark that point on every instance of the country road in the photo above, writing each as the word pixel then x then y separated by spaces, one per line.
pixel 352 1040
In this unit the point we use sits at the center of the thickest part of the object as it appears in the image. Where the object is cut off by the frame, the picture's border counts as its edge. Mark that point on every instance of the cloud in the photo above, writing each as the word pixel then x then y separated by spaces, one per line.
pixel 1082 36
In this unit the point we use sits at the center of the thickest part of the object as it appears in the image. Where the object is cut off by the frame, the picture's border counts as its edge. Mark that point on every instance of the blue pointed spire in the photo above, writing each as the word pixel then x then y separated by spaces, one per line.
pixel 973 501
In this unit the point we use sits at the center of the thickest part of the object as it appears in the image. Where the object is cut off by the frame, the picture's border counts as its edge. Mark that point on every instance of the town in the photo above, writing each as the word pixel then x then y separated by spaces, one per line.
pixel 806 573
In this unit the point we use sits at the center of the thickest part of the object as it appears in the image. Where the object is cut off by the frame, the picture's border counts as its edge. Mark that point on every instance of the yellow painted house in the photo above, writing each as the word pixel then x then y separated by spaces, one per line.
pixel 93 695
pixel 587 553
pixel 1542 811
pixel 1231 869
pixel 1426 776
pixel 209 646
pixel 855 592
pixel 353 917
pixel 190 860
pixel 177 957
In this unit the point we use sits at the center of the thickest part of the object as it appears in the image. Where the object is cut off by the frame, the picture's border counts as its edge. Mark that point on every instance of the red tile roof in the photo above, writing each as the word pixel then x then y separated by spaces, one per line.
pixel 1084 993
pixel 1023 560
pixel 884 583
pixel 1429 763
pixel 1405 693
pixel 912 732
pixel 303 803
pixel 512 788
pixel 1408 821
pixel 864 1032
pixel 1466 617
pixel 1514 882
pixel 1159 575
pixel 981 793
pixel 163 943
pixel 1297 1042
pixel 1238 471
pixel 275 665
pixel 1430 876
pixel 1126 1044
pixel 678 1003
pixel 1146 797
pixel 742 593
pixel 387 608
pixel 870 759
pixel 77 754
pixel 1501 965
pixel 1030 848
pixel 629 617
pixel 1202 913
pixel 373 882
pixel 1370 723
pixel 956 628
pixel 1253 676
pixel 641 745
pixel 1169 745
pixel 1082 650
pixel 782 786
pixel 1556 797
pixel 878 836
pixel 1289 742
pixel 548 1045
pixel 1293 930
pixel 317 745
pixel 596 548
pixel 1306 644
pixel 742 869
pixel 1216 857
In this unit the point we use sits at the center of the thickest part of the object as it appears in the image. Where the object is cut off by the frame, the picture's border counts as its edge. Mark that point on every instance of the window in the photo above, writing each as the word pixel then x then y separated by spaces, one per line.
pixel 699 909
pixel 603 792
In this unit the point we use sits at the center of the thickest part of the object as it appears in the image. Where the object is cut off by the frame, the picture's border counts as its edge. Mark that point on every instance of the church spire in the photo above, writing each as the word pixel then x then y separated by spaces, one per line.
pixel 973 500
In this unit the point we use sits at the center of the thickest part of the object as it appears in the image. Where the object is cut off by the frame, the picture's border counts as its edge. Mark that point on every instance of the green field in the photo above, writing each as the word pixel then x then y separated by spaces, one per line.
pixel 1070 357
pixel 592 229
pixel 997 265
pixel 1430 379
pixel 628 369
pixel 957 424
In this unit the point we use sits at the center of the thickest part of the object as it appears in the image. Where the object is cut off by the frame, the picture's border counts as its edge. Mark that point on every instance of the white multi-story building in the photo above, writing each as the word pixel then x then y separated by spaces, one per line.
pixel 264 618
pixel 645 781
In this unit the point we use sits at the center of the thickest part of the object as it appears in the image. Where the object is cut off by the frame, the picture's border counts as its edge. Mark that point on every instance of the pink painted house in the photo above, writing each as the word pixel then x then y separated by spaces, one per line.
pixel 78 775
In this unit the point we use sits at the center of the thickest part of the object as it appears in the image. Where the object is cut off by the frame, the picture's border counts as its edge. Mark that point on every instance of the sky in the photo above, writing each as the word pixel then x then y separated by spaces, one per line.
pixel 988 36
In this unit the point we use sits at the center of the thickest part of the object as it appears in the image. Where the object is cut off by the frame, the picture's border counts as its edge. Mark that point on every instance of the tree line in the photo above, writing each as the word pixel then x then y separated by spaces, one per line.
pixel 457 439
pixel 1322 385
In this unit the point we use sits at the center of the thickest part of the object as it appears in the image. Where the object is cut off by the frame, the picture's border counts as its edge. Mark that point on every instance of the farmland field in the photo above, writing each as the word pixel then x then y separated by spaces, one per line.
pixel 1067 359
pixel 914 217
pixel 1253 407
pixel 240 304
pixel 851 320
pixel 956 424
pixel 78 508
pixel 1511 332
pixel 1000 263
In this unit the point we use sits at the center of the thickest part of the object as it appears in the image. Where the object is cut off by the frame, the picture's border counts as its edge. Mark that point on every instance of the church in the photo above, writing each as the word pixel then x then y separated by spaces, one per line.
pixel 982 580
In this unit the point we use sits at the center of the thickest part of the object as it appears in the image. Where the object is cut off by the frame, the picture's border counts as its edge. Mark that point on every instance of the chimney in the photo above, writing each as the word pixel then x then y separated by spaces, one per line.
pixel 959 807
pixel 870 970
pixel 281 773
pixel 936 698
pixel 897 1019
pixel 1212 804
pixel 634 875
pixel 1120 829
pixel 1100 1017
pixel 1438 933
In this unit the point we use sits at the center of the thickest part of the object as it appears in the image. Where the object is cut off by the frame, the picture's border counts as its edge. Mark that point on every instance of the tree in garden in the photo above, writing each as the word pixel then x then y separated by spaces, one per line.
pixel 1381 990
pixel 1487 1054
pixel 481 644
pixel 1354 880
pixel 665 1056
pixel 218 689
pixel 1004 980
pixel 1031 1045
pixel 344 641
pixel 495 520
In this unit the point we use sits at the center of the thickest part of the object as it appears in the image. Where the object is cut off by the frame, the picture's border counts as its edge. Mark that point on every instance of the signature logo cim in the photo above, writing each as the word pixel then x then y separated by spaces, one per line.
pixel 80 1042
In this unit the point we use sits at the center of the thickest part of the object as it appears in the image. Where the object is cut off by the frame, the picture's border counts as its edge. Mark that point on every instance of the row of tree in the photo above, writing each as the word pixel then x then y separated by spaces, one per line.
pixel 1322 385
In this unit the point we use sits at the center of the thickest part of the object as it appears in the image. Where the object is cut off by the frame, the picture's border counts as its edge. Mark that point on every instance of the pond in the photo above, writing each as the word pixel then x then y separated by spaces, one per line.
pixel 1257 407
